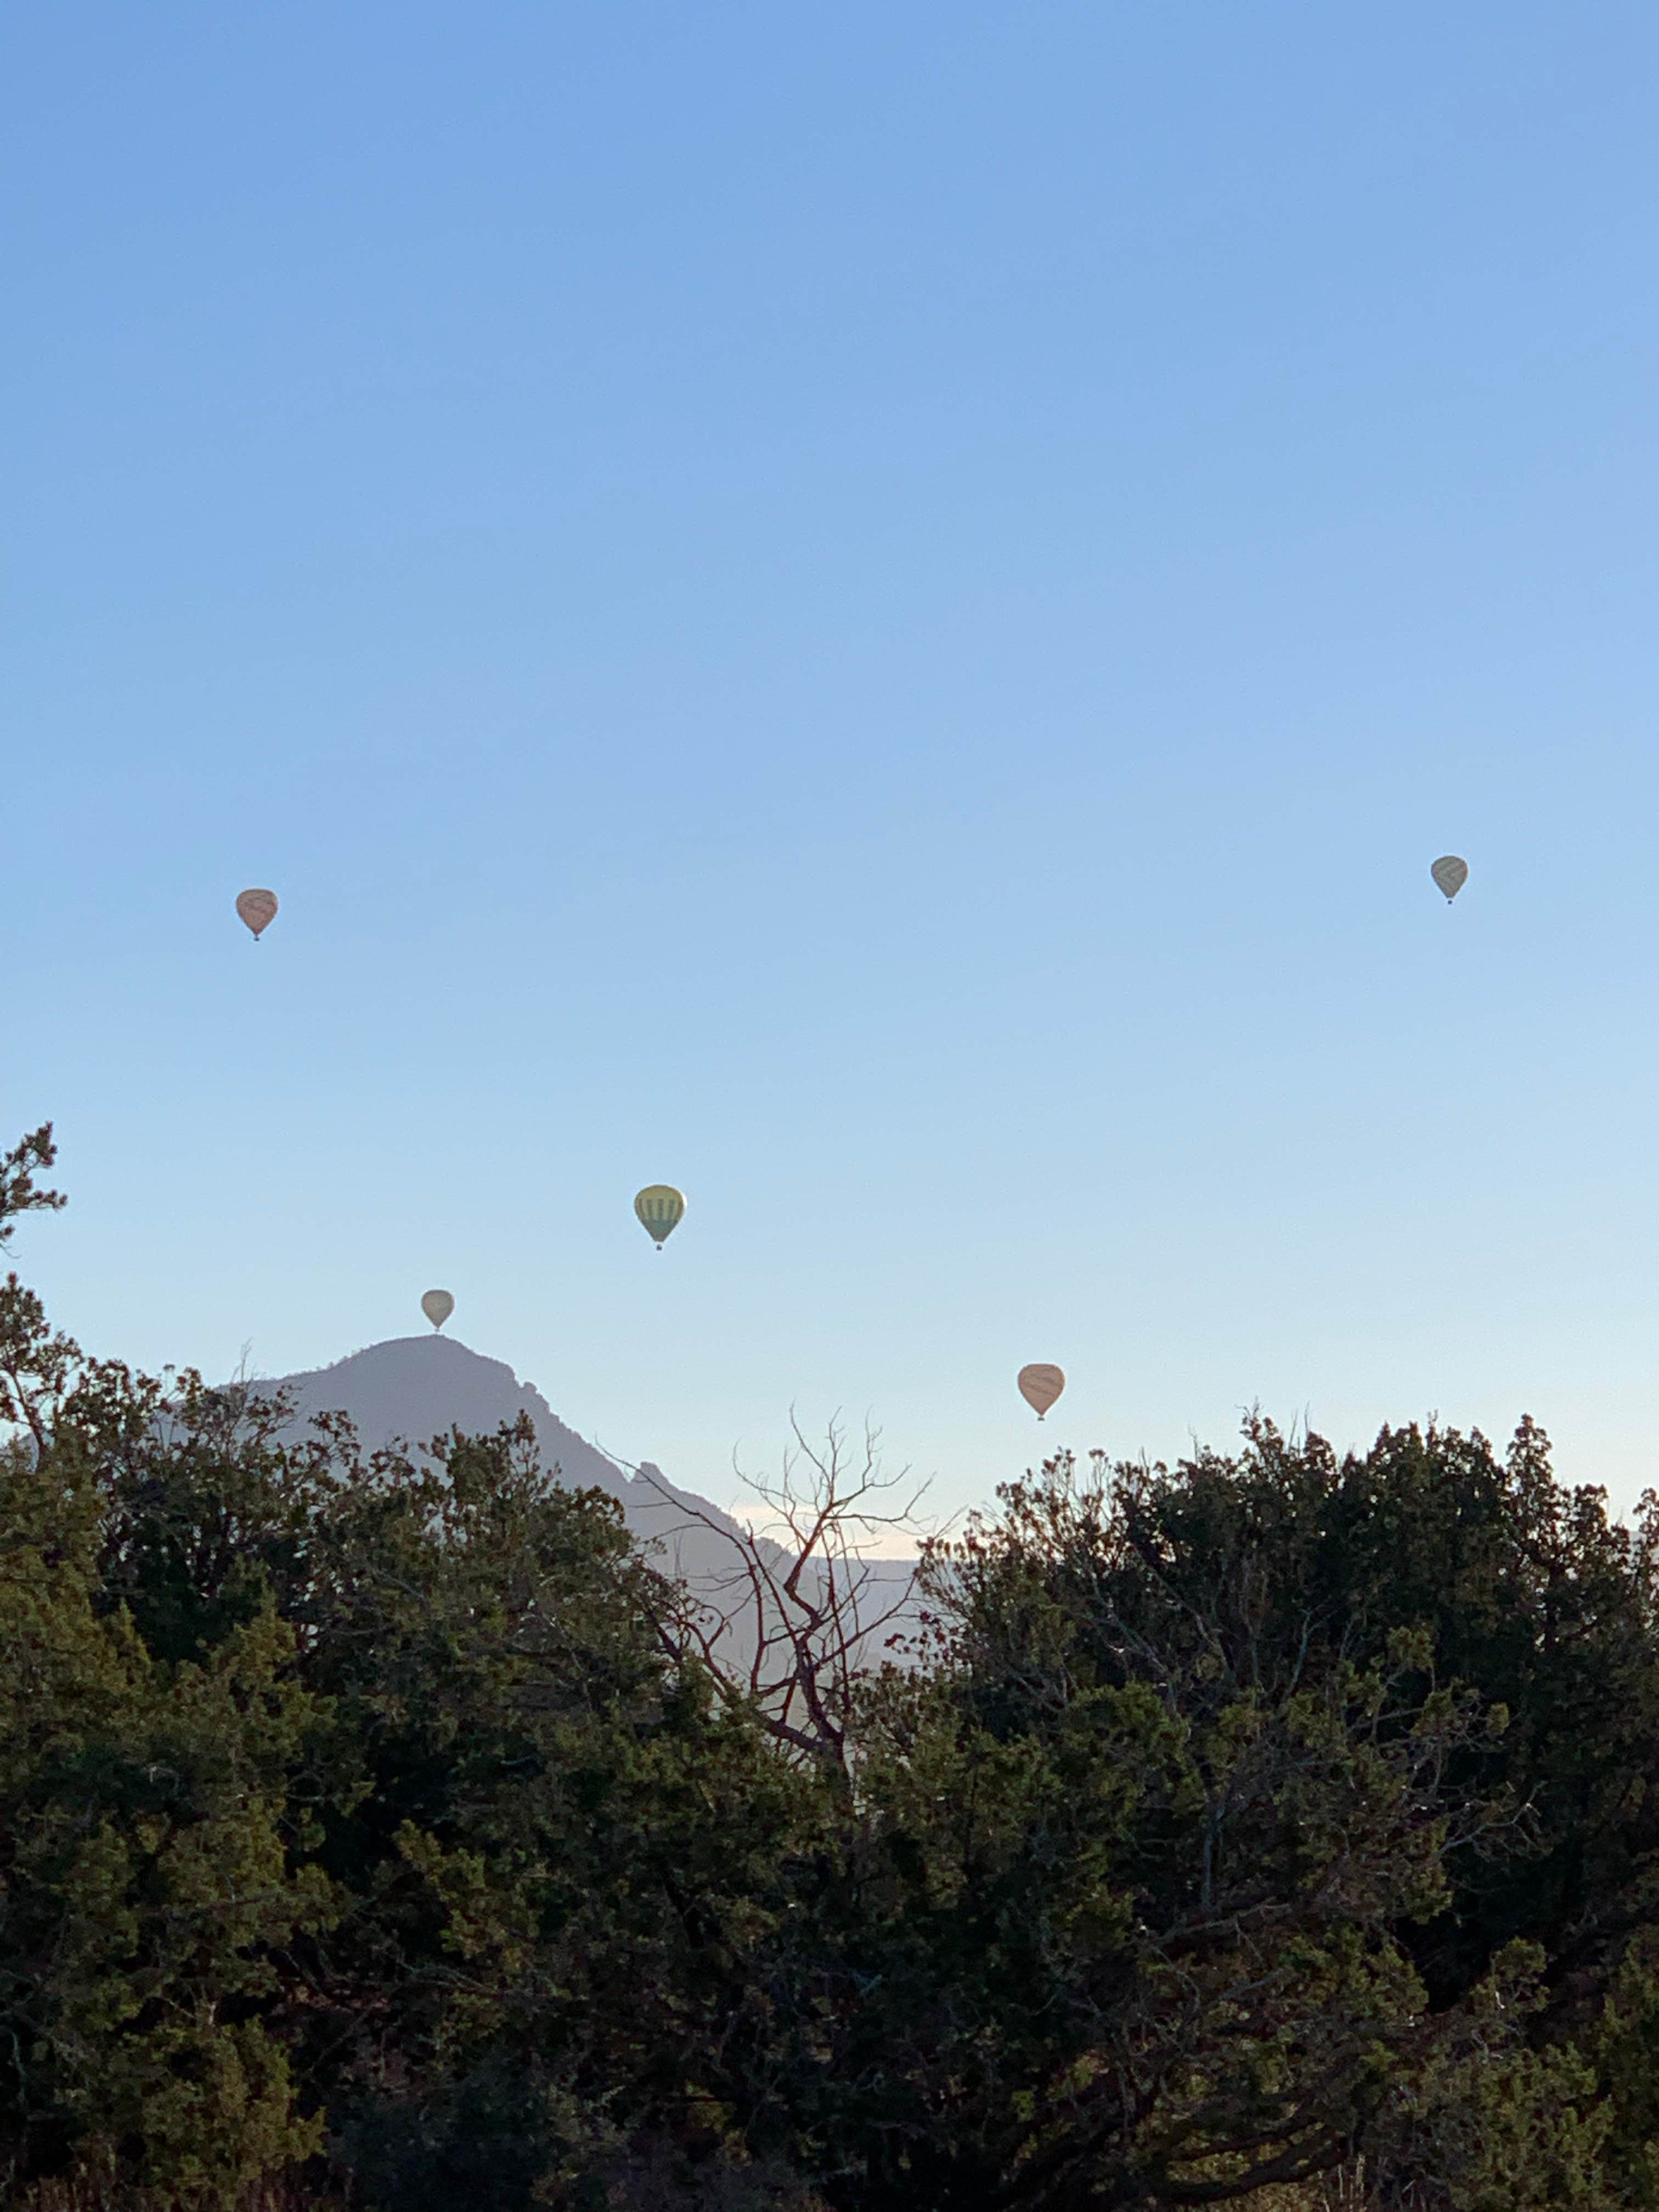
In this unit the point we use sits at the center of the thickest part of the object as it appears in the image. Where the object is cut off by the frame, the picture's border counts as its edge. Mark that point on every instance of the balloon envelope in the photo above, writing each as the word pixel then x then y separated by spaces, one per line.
pixel 1040 1385
pixel 437 1306
pixel 1451 874
pixel 257 909
pixel 660 1206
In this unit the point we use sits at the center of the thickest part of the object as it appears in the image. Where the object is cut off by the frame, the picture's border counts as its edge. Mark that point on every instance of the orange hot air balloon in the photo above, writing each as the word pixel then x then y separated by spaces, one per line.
pixel 1040 1385
pixel 258 909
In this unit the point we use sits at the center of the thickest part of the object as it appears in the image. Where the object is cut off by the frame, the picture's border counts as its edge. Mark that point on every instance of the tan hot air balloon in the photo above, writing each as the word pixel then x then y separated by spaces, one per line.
pixel 1450 874
pixel 437 1306
pixel 1040 1385
pixel 258 909
pixel 659 1207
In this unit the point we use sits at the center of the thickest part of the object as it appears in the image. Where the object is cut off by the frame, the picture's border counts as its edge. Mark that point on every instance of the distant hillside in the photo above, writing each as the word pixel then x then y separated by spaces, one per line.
pixel 412 1388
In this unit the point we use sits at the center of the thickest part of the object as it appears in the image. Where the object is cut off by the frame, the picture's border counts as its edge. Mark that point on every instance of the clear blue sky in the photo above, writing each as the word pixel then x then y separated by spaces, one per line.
pixel 876 611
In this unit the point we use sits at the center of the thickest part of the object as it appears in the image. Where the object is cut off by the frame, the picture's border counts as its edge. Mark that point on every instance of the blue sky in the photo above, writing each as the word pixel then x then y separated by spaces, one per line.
pixel 877 612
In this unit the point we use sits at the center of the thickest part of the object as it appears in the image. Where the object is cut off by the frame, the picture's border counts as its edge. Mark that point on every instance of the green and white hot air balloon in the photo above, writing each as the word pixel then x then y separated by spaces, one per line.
pixel 659 1207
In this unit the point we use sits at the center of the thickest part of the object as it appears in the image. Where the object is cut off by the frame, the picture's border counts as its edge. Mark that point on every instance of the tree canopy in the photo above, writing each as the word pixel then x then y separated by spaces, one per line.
pixel 369 1824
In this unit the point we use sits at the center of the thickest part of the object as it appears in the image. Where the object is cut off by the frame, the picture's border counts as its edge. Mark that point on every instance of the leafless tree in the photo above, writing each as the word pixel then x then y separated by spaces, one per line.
pixel 796 1623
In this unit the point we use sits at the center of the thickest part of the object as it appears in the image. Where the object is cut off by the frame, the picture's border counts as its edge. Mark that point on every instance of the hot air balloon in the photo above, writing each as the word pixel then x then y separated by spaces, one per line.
pixel 659 1207
pixel 1040 1386
pixel 437 1306
pixel 1451 874
pixel 258 909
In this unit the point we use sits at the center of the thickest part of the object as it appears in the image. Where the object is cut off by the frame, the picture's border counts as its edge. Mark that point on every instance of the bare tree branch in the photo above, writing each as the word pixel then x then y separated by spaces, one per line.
pixel 801 1586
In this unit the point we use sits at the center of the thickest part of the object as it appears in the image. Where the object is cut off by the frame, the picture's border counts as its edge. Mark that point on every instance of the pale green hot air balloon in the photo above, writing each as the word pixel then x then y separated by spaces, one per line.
pixel 1040 1385
pixel 258 909
pixel 659 1207
pixel 437 1306
pixel 1450 874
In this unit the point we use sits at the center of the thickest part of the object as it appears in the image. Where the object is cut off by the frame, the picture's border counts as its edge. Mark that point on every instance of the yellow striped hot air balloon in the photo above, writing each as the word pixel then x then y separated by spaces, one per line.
pixel 659 1207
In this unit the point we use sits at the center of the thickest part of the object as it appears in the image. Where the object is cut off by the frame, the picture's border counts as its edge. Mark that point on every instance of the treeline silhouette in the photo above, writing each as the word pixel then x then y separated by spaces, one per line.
pixel 1279 1829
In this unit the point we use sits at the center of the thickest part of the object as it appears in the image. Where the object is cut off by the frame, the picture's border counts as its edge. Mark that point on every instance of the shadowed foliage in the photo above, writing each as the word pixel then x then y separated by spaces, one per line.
pixel 1275 1829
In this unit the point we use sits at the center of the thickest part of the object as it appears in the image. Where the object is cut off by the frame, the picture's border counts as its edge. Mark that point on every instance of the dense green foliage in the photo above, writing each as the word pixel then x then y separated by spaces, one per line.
pixel 1243 1824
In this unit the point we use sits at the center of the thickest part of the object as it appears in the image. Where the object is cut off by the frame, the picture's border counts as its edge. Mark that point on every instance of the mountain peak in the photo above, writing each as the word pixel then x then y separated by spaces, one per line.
pixel 408 1389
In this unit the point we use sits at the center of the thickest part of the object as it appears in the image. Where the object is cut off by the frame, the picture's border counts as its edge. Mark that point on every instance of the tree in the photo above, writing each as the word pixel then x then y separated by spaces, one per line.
pixel 1311 1862
pixel 794 1626
pixel 145 1886
pixel 19 1193
pixel 1131 1924
pixel 350 1814
pixel 1287 1558
pixel 560 1856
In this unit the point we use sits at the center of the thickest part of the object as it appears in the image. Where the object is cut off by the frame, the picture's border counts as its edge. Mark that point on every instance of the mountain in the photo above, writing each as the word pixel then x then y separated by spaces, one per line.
pixel 412 1388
